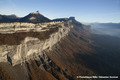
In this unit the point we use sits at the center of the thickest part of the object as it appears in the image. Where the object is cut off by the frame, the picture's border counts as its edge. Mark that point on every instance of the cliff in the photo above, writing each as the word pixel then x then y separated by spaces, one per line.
pixel 35 39
pixel 47 51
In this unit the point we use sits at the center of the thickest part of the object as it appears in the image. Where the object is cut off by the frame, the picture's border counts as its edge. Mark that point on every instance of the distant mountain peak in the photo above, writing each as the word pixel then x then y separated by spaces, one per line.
pixel 35 17
pixel 37 12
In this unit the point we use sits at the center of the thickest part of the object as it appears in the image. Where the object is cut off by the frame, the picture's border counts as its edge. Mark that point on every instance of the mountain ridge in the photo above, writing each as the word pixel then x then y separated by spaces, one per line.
pixel 34 17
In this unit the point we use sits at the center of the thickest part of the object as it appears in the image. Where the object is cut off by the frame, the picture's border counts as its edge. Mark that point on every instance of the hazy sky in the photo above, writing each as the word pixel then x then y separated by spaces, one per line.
pixel 83 10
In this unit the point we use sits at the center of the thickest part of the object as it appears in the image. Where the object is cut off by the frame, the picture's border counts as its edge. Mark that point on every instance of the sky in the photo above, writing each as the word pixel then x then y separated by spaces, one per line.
pixel 85 11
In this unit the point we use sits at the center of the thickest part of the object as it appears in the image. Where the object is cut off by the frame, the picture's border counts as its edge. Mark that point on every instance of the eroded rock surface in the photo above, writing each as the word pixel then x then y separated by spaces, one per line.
pixel 27 42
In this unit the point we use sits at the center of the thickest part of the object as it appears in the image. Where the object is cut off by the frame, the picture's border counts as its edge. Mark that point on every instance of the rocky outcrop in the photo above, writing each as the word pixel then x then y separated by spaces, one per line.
pixel 30 46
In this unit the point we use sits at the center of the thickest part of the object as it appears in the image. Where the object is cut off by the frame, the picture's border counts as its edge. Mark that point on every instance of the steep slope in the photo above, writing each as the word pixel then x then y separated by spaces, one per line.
pixel 23 42
pixel 44 50
pixel 26 39
pixel 66 53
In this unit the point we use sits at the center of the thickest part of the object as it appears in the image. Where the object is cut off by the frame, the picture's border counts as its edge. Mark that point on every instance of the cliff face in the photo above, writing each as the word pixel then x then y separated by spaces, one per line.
pixel 32 45
pixel 47 51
